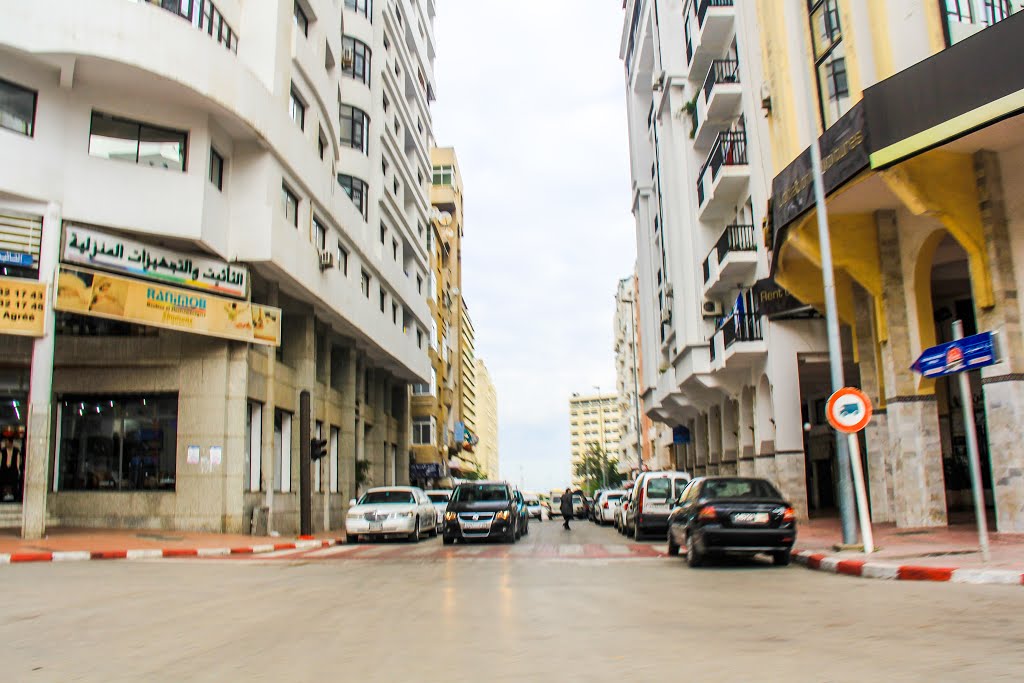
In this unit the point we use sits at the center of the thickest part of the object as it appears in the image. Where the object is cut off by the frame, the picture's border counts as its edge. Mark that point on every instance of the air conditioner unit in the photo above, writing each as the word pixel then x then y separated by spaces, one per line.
pixel 658 82
pixel 712 309
pixel 347 59
pixel 326 260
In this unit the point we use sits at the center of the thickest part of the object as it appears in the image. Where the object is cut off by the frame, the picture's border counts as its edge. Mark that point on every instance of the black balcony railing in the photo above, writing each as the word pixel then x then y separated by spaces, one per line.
pixel 735 238
pixel 730 149
pixel 205 16
pixel 702 8
pixel 721 71
pixel 741 327
pixel 707 268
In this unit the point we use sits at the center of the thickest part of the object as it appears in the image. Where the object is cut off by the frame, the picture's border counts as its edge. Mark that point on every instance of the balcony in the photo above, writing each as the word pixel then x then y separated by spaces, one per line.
pixel 738 342
pixel 724 176
pixel 732 262
pixel 709 32
pixel 204 15
pixel 718 103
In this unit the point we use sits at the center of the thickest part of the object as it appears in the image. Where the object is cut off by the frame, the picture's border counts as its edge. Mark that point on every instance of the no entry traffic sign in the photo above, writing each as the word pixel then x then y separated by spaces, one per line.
pixel 848 410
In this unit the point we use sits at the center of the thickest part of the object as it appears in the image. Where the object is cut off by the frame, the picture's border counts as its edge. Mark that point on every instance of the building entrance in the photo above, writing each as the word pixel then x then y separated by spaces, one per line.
pixel 13 420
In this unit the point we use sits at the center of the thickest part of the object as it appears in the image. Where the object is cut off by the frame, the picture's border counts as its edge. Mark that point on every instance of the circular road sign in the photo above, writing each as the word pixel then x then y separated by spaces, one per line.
pixel 848 410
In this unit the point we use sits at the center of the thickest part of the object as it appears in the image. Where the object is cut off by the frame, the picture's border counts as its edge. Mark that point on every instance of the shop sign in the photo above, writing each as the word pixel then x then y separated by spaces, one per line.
pixel 22 306
pixel 775 301
pixel 969 353
pixel 15 258
pixel 95 249
pixel 104 295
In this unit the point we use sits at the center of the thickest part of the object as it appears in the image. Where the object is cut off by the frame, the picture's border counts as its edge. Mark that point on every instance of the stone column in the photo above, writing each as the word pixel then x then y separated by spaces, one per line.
pixel 305 379
pixel 879 459
pixel 234 518
pixel 700 441
pixel 790 459
pixel 362 408
pixel 714 440
pixel 745 464
pixel 404 416
pixel 349 427
pixel 919 489
pixel 267 448
pixel 376 438
pixel 1003 383
pixel 730 437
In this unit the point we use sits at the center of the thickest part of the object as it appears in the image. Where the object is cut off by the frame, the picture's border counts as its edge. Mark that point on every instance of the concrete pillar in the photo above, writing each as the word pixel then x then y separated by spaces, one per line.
pixel 377 436
pixel 714 420
pixel 403 414
pixel 349 428
pixel 234 517
pixel 790 459
pixel 267 450
pixel 745 442
pixel 700 440
pixel 305 379
pixel 362 409
pixel 919 493
pixel 730 437
pixel 878 450
pixel 1002 384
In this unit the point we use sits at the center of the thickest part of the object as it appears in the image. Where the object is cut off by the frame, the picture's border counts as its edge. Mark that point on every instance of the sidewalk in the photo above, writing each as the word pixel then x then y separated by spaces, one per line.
pixel 70 544
pixel 930 554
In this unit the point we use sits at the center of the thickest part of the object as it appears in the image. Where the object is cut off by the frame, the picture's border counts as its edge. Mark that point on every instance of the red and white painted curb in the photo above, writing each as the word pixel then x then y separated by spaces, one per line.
pixel 898 572
pixel 158 553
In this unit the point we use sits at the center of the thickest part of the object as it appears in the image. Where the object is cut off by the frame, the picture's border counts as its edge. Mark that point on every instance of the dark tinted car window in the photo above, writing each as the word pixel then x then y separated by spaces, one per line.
pixel 659 488
pixel 378 497
pixel 438 497
pixel 739 488
pixel 480 493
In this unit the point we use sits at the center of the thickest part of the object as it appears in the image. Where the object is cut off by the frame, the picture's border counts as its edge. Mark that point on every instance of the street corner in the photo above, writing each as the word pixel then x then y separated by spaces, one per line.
pixel 895 571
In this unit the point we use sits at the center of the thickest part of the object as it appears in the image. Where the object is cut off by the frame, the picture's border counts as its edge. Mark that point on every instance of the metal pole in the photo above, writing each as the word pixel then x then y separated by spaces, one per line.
pixel 862 495
pixel 835 348
pixel 636 387
pixel 967 404
pixel 305 478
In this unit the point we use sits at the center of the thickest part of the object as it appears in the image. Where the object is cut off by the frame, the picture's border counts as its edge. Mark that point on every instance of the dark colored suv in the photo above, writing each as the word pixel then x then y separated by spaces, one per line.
pixel 482 510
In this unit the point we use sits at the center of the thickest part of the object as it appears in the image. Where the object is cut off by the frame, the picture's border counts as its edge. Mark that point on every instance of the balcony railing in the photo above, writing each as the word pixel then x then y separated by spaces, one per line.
pixel 702 8
pixel 735 238
pixel 205 16
pixel 721 71
pixel 741 327
pixel 730 149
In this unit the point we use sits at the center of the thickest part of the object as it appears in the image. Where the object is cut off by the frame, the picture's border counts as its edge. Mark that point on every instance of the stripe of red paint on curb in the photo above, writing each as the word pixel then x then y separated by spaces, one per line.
pixel 31 557
pixel 108 554
pixel 814 561
pixel 911 573
pixel 850 567
pixel 284 546
pixel 179 552
pixel 241 551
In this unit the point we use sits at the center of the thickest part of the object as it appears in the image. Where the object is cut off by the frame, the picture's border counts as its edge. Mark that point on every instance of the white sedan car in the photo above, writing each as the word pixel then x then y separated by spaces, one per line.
pixel 439 499
pixel 390 511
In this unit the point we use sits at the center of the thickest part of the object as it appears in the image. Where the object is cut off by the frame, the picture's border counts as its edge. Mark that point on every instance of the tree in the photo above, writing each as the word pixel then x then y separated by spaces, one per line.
pixel 597 470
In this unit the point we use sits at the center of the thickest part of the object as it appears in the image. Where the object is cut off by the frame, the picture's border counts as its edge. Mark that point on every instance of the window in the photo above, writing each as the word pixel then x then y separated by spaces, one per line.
pixel 383 299
pixel 443 175
pixel 366 284
pixel 319 234
pixel 282 451
pixel 354 126
pixel 301 20
pixel 419 284
pixel 419 338
pixel 356 191
pixel 829 60
pixel 387 41
pixel 383 233
pixel 361 59
pixel 964 18
pixel 297 108
pixel 216 169
pixel 123 443
pixel 364 7
pixel 423 429
pixel 290 205
pixel 252 472
pixel 394 249
pixel 321 144
pixel 387 103
pixel 334 445
pixel 139 143
pixel 17 108
pixel 384 166
pixel 421 390
pixel 342 258
pixel 394 313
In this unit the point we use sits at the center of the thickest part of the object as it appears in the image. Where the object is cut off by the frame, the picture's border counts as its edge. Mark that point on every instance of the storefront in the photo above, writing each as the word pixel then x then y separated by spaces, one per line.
pixel 13 414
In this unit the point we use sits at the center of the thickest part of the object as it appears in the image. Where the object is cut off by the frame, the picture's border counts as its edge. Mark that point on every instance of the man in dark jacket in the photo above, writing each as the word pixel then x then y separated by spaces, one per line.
pixel 566 507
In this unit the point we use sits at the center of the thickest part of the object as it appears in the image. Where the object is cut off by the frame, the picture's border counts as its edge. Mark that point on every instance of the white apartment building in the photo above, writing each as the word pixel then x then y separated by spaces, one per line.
pixel 626 374
pixel 487 422
pixel 714 367
pixel 198 172
pixel 593 419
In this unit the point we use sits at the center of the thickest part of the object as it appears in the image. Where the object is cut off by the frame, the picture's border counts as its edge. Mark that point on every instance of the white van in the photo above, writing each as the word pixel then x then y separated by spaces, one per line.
pixel 650 505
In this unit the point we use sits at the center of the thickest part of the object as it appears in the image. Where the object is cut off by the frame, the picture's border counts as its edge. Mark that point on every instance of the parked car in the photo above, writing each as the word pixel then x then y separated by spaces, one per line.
pixel 391 511
pixel 621 508
pixel 579 506
pixel 481 510
pixel 534 507
pixel 604 506
pixel 439 498
pixel 650 503
pixel 522 514
pixel 555 509
pixel 732 515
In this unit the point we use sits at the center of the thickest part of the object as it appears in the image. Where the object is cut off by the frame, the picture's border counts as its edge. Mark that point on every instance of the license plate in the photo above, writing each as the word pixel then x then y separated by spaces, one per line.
pixel 750 517
pixel 376 526
pixel 476 526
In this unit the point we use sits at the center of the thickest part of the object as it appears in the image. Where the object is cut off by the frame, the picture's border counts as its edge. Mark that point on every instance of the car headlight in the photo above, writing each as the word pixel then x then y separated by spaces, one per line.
pixel 355 515
pixel 503 515
pixel 402 515
pixel 450 516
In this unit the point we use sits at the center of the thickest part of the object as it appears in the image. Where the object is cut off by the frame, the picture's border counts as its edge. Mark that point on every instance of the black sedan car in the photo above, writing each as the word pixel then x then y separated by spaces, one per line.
pixel 731 515
pixel 482 510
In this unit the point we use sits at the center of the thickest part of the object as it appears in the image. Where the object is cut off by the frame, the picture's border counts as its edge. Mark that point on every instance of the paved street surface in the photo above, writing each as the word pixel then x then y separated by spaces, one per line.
pixel 573 606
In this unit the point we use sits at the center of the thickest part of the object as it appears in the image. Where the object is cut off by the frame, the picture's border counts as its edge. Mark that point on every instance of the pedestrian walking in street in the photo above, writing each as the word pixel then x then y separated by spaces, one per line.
pixel 566 507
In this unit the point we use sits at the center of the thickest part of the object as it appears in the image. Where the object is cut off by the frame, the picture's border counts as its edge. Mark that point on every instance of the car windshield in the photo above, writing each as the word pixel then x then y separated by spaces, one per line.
pixel 738 488
pixel 481 493
pixel 386 497
pixel 438 497
pixel 659 488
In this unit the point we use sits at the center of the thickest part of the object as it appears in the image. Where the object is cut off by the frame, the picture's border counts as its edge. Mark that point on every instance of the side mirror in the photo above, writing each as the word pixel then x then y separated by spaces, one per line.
pixel 352 503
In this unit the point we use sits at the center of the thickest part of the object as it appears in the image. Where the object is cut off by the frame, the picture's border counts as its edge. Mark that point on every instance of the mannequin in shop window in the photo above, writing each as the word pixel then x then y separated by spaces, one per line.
pixel 11 466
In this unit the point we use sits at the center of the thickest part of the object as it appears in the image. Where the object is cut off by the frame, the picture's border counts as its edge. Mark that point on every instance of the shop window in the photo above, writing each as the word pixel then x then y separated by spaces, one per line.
pixel 282 451
pixel 122 443
pixel 13 416
pixel 253 473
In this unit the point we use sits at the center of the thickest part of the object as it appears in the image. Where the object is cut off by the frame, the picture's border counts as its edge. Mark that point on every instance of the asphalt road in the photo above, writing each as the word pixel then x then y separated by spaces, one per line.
pixel 521 616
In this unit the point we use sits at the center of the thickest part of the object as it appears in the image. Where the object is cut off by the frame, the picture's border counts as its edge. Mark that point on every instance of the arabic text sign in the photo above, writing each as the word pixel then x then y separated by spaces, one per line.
pixel 95 249
pixel 119 298
pixel 15 258
pixel 968 353
pixel 22 307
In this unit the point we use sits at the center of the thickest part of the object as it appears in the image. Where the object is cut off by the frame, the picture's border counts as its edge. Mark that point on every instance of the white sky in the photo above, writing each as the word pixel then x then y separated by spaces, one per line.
pixel 531 95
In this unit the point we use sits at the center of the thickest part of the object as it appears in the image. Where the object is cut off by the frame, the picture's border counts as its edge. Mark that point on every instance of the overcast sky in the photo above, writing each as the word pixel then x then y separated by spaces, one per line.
pixel 531 95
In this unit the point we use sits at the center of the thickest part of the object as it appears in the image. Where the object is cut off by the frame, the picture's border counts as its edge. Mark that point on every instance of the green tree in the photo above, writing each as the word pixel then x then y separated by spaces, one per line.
pixel 596 470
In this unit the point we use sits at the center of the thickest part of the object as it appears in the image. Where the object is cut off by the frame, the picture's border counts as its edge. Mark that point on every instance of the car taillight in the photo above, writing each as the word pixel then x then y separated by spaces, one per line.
pixel 606 505
pixel 640 499
pixel 707 513
pixel 789 515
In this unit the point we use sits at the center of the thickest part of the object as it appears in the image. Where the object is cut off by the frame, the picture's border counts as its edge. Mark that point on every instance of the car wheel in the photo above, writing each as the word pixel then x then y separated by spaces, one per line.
pixel 433 531
pixel 781 558
pixel 673 547
pixel 638 533
pixel 447 540
pixel 415 535
pixel 693 556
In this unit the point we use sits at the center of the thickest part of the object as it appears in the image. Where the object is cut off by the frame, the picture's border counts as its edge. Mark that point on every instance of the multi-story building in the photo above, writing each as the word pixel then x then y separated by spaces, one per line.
pixel 237 217
pixel 487 422
pixel 923 145
pixel 593 420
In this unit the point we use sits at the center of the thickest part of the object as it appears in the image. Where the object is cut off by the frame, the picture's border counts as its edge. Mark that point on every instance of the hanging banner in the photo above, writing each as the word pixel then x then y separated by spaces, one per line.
pixel 22 306
pixel 95 249
pixel 119 298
